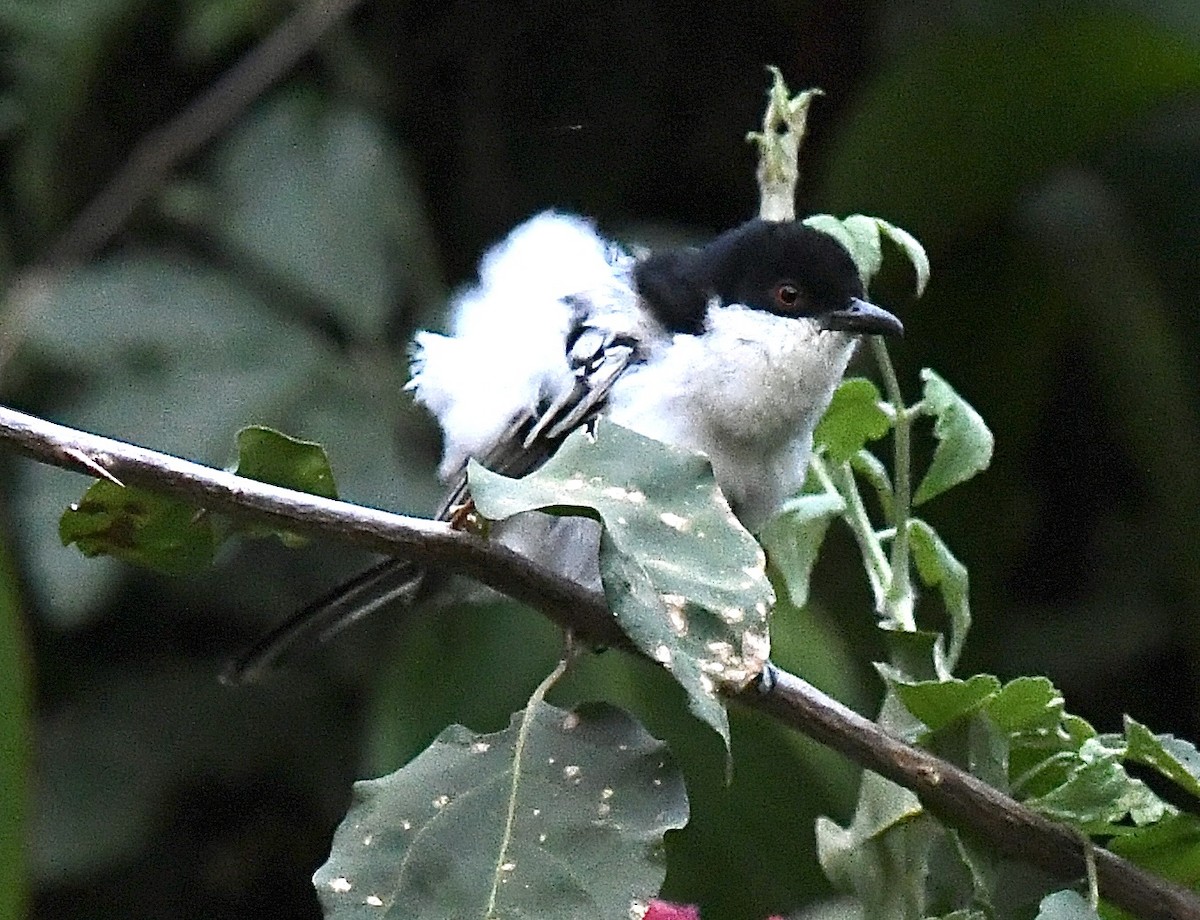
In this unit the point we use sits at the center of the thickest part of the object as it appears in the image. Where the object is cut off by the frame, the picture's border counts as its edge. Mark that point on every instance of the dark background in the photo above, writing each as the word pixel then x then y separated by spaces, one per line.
pixel 1048 156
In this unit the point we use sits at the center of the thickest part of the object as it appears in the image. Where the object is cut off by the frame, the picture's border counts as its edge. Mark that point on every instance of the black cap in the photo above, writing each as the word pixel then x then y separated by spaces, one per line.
pixel 785 268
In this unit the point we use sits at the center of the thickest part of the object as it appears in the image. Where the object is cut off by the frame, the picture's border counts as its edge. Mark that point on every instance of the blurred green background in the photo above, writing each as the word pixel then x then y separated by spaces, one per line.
pixel 1047 154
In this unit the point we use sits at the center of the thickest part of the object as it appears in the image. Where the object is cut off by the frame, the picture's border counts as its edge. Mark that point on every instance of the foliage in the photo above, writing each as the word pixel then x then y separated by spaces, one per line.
pixel 559 815
pixel 165 533
pixel 665 521
pixel 669 546
pixel 1047 158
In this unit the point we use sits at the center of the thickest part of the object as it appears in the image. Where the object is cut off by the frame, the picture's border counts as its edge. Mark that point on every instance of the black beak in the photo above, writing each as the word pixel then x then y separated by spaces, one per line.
pixel 862 318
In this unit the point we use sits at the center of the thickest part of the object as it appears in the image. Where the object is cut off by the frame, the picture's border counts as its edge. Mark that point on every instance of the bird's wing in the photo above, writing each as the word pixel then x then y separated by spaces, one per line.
pixel 597 358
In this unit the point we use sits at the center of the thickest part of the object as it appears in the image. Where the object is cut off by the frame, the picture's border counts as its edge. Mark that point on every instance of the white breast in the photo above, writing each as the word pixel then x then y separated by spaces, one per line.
pixel 748 392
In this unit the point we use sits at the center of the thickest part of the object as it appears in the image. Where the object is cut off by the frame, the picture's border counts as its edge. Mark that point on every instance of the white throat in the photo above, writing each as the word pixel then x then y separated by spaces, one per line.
pixel 748 392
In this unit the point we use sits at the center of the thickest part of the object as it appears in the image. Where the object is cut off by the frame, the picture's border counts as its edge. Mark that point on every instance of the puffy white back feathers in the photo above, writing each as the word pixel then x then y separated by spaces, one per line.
pixel 507 349
pixel 746 387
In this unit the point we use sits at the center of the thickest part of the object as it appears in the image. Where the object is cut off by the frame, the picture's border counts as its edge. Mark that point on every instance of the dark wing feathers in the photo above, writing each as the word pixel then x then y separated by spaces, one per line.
pixel 383 583
pixel 597 359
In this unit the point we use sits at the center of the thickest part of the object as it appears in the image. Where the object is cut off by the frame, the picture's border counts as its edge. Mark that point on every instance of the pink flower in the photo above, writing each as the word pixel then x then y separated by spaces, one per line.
pixel 665 910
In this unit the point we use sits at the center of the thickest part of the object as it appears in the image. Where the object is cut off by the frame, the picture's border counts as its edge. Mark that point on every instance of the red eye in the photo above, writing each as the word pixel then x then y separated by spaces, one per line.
pixel 786 296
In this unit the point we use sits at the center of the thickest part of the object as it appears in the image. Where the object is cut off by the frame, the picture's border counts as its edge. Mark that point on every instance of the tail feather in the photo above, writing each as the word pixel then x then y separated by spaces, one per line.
pixel 388 582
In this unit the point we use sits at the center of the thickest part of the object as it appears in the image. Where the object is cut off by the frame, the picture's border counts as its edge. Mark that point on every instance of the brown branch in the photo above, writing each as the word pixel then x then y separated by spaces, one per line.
pixel 962 800
pixel 949 793
pixel 432 543
pixel 161 149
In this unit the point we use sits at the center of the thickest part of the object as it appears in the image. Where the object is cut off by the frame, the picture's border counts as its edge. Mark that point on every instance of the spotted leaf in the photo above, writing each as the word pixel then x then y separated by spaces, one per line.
pixel 685 580
pixel 561 816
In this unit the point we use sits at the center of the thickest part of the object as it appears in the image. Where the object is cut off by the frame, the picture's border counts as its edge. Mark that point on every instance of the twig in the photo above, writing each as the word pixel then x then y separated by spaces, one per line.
pixel 946 791
pixel 161 149
pixel 432 543
pixel 778 145
pixel 965 801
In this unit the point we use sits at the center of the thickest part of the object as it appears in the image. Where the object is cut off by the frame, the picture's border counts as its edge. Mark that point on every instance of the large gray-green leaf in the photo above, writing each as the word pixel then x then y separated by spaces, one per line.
pixel 686 582
pixel 561 815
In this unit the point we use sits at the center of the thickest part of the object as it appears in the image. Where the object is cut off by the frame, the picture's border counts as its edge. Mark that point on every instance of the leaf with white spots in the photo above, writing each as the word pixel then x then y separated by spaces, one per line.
pixel 685 580
pixel 559 816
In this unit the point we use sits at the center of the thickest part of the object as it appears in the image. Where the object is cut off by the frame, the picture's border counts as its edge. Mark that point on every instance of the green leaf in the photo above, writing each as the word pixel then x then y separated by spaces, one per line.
pixel 684 579
pixel 865 246
pixel 1099 794
pixel 1066 905
pixel 1174 758
pixel 837 228
pixel 272 457
pixel 964 441
pixel 853 418
pixel 793 539
pixel 1170 848
pixel 1027 704
pixel 912 249
pixel 938 568
pixel 874 858
pixel 860 235
pixel 140 527
pixel 939 703
pixel 275 458
pixel 561 815
pixel 168 353
pixel 914 653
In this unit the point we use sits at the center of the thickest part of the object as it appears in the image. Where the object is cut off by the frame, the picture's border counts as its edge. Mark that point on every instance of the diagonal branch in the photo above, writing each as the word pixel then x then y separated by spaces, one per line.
pixel 948 792
pixel 431 543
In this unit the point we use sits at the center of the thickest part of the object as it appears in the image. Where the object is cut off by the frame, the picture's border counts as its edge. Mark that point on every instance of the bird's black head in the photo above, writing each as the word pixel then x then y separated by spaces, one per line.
pixel 784 268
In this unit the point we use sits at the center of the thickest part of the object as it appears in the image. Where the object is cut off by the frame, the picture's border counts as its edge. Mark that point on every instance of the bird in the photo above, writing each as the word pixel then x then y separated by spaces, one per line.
pixel 732 349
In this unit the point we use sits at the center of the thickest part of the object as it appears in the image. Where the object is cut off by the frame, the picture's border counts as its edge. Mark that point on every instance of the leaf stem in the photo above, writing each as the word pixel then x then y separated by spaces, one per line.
pixel 528 717
pixel 779 148
pixel 900 599
pixel 875 560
